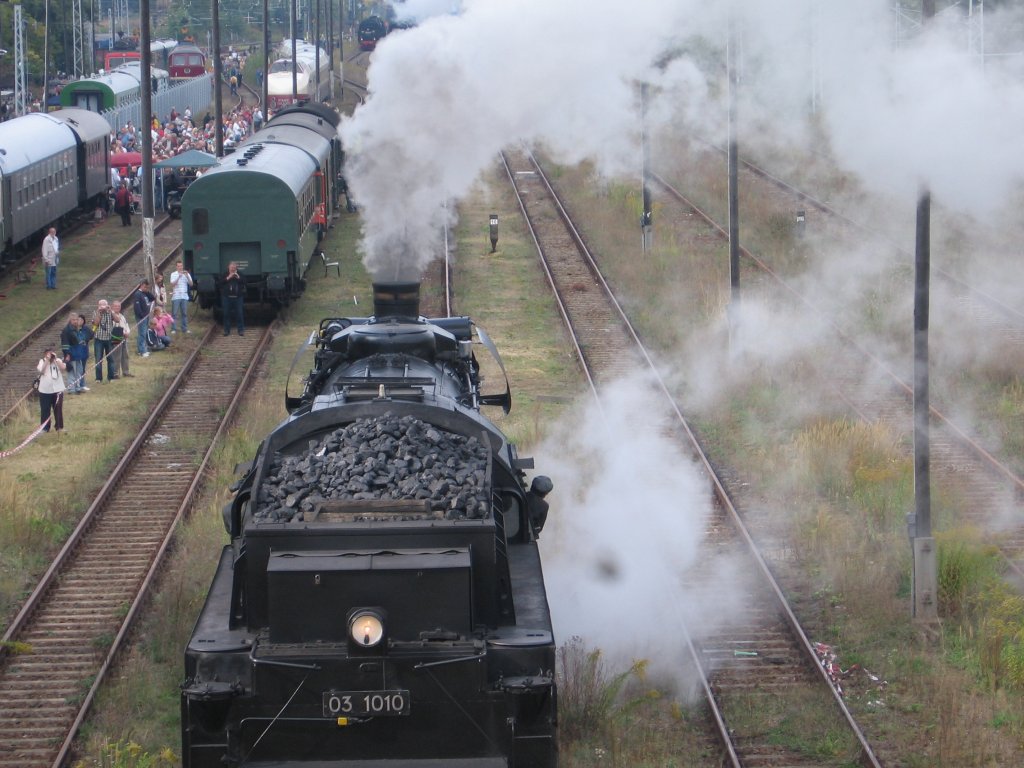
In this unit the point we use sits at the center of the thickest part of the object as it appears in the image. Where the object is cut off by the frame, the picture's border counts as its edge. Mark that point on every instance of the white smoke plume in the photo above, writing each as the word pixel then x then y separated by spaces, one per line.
pixel 446 96
pixel 628 519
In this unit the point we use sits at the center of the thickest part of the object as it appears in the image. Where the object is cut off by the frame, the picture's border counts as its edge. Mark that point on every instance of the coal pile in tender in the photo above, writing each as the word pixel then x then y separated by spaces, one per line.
pixel 388 457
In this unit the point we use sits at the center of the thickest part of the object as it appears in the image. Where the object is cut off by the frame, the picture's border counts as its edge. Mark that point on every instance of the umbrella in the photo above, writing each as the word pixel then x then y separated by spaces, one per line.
pixel 124 159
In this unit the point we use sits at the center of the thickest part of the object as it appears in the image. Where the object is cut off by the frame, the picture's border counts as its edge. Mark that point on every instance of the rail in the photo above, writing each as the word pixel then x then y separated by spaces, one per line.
pixel 574 289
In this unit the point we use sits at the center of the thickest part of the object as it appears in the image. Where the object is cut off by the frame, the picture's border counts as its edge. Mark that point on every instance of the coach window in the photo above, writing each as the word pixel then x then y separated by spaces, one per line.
pixel 200 221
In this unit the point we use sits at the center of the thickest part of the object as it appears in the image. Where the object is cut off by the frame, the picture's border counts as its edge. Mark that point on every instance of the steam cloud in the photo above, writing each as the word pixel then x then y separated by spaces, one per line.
pixel 628 517
pixel 446 96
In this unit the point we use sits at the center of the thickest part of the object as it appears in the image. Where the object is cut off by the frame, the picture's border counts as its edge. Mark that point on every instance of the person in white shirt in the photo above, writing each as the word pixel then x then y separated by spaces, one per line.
pixel 51 257
pixel 51 370
pixel 181 281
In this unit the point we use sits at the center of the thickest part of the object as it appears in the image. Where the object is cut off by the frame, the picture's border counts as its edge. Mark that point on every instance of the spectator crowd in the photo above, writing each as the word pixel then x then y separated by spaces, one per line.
pixel 176 133
pixel 105 336
pixel 179 132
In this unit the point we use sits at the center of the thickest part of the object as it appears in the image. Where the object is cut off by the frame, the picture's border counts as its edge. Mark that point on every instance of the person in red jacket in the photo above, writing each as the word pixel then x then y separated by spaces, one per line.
pixel 123 204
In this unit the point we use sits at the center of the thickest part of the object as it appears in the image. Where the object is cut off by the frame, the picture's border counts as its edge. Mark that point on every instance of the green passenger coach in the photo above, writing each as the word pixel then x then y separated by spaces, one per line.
pixel 259 210
pixel 265 206
pixel 114 89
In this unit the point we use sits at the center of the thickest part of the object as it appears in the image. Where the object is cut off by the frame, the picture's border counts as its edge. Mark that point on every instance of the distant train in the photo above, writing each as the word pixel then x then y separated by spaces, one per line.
pixel 265 206
pixel 279 81
pixel 52 165
pixel 112 89
pixel 159 51
pixel 185 62
pixel 370 32
pixel 382 600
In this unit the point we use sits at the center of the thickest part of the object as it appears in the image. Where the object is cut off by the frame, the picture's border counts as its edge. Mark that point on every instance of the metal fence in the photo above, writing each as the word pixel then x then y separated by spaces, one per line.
pixel 196 93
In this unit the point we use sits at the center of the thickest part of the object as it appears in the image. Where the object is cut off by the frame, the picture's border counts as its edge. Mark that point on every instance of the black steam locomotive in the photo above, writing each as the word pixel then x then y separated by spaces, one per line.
pixel 382 600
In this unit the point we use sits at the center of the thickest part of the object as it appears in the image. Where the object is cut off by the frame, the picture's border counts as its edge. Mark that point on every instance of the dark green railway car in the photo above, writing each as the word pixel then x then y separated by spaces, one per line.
pixel 262 207
pixel 111 90
pixel 265 206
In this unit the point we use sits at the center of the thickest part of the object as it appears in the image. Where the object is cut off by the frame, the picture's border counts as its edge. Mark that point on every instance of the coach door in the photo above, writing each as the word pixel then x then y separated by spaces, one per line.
pixel 91 100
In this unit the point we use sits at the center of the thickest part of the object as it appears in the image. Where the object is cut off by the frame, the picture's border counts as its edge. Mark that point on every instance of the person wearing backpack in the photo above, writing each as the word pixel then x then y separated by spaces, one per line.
pixel 80 352
pixel 75 352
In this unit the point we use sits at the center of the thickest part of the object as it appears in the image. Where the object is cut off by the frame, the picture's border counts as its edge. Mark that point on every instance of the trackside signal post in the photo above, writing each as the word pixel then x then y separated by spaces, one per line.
pixel 145 125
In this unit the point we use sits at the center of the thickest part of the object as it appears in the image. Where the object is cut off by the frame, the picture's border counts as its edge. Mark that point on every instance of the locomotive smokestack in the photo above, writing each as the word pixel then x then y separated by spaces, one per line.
pixel 396 299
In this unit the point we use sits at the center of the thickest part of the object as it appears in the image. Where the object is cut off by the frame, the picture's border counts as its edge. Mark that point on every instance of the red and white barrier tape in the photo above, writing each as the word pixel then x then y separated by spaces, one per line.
pixel 35 433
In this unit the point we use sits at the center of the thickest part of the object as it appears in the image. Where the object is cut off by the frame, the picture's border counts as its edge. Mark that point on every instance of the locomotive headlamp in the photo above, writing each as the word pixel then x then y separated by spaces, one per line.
pixel 366 627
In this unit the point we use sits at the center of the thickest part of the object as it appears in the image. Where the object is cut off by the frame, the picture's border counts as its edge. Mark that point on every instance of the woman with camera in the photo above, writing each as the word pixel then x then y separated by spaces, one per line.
pixel 51 390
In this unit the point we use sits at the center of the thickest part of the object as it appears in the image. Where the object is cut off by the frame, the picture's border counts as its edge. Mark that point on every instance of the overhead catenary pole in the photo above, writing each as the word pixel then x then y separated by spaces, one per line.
pixel 646 230
pixel 266 56
pixel 46 53
pixel 341 47
pixel 20 92
pixel 146 127
pixel 218 75
pixel 295 64
pixel 925 567
pixel 734 205
pixel 317 38
pixel 330 45
pixel 91 68
pixel 77 36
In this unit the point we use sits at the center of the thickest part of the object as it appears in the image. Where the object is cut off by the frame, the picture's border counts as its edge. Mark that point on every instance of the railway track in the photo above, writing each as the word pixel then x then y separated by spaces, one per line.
pixel 762 664
pixel 117 281
pixel 58 649
pixel 997 313
pixel 962 467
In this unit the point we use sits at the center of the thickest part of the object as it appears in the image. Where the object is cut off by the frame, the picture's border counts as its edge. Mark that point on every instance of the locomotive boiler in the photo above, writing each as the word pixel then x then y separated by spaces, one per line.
pixel 382 600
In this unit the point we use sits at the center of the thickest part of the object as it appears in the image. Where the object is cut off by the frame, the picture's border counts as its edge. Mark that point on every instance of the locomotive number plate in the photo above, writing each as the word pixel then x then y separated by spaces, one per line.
pixel 365 703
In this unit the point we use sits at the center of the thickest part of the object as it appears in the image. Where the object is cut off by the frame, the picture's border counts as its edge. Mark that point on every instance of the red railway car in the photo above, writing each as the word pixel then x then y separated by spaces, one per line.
pixel 186 61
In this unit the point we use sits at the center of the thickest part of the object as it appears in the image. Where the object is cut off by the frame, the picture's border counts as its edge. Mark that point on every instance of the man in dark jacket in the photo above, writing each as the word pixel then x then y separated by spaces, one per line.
pixel 68 348
pixel 80 353
pixel 232 293
pixel 142 300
